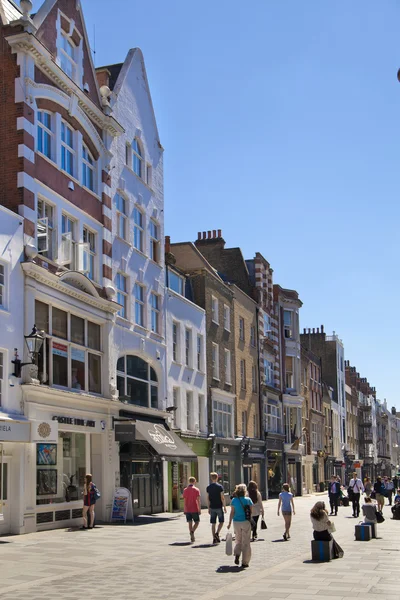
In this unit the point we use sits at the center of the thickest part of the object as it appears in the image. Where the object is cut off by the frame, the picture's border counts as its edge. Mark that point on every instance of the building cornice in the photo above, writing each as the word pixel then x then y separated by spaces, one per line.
pixel 27 43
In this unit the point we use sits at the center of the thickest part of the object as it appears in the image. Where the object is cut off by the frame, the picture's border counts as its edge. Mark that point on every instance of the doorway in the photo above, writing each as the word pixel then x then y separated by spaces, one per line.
pixel 143 477
pixel 5 521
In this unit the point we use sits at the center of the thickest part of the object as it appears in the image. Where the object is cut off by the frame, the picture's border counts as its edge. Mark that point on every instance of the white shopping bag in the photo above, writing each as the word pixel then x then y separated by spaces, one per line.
pixel 228 544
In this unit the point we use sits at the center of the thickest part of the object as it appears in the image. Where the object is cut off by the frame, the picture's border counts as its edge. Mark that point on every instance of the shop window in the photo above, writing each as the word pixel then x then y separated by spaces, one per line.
pixel 61 469
pixel 226 474
pixel 137 382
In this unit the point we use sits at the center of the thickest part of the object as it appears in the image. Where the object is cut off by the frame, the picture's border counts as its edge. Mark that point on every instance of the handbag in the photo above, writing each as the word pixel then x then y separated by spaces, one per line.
pixel 247 512
pixel 379 517
pixel 97 494
pixel 228 544
pixel 263 524
pixel 350 492
pixel 331 528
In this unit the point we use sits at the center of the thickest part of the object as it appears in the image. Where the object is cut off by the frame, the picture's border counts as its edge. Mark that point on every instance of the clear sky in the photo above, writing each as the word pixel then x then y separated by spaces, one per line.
pixel 280 121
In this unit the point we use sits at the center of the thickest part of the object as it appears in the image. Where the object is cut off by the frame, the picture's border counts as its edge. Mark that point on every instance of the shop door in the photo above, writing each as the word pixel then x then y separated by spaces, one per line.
pixel 144 480
pixel 5 523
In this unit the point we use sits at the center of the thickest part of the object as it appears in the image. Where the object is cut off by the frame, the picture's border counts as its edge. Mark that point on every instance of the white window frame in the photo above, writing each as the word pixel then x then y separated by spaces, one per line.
pixel 179 278
pixel 68 149
pixel 199 352
pixel 88 165
pixel 223 414
pixel 3 286
pixel 137 158
pixel 140 304
pixel 2 378
pixel 155 312
pixel 154 230
pixel 175 342
pixel 228 366
pixel 242 374
pixel 288 328
pixel 176 404
pixel 266 325
pixel 122 216
pixel 214 310
pixel 150 383
pixel 66 59
pixel 122 295
pixel 241 329
pixel 43 131
pixel 189 410
pixel 68 253
pixel 215 361
pixel 268 371
pixel 227 318
pixel 89 253
pixel 289 375
pixel 45 228
pixel 138 229
pixel 273 417
pixel 188 347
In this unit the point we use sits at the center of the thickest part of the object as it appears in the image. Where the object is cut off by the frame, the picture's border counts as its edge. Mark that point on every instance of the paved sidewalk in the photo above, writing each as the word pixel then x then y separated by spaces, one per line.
pixel 155 560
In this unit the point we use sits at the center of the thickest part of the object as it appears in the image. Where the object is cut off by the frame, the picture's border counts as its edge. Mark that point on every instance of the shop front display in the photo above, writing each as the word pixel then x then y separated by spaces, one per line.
pixel 275 473
pixel 227 462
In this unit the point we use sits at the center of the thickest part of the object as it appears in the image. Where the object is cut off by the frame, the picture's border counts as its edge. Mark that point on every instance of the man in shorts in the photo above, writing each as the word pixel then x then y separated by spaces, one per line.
pixel 192 506
pixel 216 506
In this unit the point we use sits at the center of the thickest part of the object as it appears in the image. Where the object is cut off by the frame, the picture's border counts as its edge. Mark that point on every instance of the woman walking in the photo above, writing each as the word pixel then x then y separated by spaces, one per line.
pixel 286 501
pixel 321 524
pixel 368 487
pixel 90 495
pixel 258 508
pixel 379 489
pixel 241 509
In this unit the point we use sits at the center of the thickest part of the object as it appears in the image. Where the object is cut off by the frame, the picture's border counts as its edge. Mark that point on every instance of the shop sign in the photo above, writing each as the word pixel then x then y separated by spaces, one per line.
pixel 44 431
pixel 338 463
pixel 60 349
pixel 224 449
pixel 291 461
pixel 125 432
pixel 122 508
pixel 77 354
pixel 357 465
pixel 97 426
pixel 13 431
pixel 248 465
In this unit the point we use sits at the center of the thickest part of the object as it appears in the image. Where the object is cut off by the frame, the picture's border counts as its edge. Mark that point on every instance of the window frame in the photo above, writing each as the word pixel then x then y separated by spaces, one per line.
pixel 122 294
pixel 150 383
pixel 223 415
pixel 89 163
pixel 91 253
pixel 289 372
pixel 254 386
pixel 268 368
pixel 228 366
pixel 227 318
pixel 48 226
pixel 70 236
pixel 199 352
pixel 214 310
pixel 138 228
pixel 122 216
pixel 140 303
pixel 242 374
pixel 180 279
pixel 154 234
pixel 155 313
pixel 188 347
pixel 273 416
pixel 288 328
pixel 189 410
pixel 3 286
pixel 68 149
pixel 175 342
pixel 45 131
pixel 137 157
pixel 71 60
pixel 241 329
pixel 253 336
pixel 215 361
pixel 2 377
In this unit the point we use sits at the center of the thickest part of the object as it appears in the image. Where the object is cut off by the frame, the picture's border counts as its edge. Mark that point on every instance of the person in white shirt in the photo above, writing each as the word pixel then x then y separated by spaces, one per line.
pixel 355 489
pixel 389 485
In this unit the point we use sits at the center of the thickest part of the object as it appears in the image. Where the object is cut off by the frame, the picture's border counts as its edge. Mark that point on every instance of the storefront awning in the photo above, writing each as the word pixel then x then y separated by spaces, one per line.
pixel 166 443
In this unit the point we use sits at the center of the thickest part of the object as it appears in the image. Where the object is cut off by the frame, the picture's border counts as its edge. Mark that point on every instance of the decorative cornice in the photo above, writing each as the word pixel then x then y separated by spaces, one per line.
pixel 27 43
pixel 41 275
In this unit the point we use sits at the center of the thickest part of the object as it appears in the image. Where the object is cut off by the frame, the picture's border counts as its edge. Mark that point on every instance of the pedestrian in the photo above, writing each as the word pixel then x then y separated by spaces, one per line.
pixel 321 525
pixel 389 489
pixel 355 489
pixel 334 495
pixel 395 482
pixel 286 501
pixel 369 511
pixel 368 487
pixel 216 506
pixel 90 495
pixel 396 508
pixel 192 507
pixel 241 510
pixel 258 507
pixel 379 490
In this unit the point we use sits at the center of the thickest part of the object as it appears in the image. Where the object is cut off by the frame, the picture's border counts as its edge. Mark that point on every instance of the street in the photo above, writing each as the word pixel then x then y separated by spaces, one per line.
pixel 155 560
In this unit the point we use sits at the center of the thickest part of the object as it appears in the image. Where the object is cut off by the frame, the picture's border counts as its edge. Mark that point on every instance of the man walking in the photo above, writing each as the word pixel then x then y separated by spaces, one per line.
pixel 216 506
pixel 334 495
pixel 356 487
pixel 192 506
pixel 389 485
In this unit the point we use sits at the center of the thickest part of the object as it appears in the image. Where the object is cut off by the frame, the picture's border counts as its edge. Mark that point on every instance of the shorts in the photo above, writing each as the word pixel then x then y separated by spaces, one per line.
pixel 286 512
pixel 380 498
pixel 216 512
pixel 192 517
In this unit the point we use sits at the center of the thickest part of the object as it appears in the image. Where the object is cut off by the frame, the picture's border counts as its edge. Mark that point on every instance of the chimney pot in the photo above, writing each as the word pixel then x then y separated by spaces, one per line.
pixel 167 244
pixel 199 235
pixel 214 233
pixel 322 329
pixel 317 329
pixel 219 233
pixel 204 235
pixel 304 330
pixel 209 235
pixel 313 330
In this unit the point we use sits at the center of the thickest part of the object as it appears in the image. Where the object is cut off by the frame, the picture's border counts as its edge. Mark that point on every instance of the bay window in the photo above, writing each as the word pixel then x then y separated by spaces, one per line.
pixel 273 416
pixel 288 323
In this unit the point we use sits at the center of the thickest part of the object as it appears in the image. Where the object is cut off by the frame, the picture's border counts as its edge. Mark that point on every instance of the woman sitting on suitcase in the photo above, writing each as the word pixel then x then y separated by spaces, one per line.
pixel 321 524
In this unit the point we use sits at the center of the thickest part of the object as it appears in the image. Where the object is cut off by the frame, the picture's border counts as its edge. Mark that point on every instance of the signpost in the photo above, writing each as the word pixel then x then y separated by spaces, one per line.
pixel 122 508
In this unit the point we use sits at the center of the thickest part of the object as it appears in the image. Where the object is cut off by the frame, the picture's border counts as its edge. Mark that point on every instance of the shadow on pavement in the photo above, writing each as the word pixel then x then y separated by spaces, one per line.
pixel 206 546
pixel 180 544
pixel 276 541
pixel 229 569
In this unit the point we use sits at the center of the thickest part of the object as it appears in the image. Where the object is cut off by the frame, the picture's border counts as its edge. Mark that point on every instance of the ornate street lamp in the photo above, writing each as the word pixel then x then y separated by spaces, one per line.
pixel 34 342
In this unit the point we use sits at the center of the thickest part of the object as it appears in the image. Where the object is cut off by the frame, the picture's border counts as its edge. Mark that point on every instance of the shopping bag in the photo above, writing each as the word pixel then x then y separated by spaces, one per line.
pixel 263 524
pixel 331 528
pixel 228 544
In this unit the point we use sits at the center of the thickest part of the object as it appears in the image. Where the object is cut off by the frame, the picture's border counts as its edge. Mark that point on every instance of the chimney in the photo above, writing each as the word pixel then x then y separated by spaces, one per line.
pixel 199 235
pixel 214 233
pixel 103 76
pixel 209 235
pixel 317 329
pixel 219 233
pixel 313 329
pixel 304 330
pixel 167 244
pixel 322 329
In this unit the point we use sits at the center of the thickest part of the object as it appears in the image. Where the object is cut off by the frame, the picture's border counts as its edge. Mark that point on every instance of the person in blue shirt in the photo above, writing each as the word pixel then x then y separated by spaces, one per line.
pixel 241 524
pixel 287 504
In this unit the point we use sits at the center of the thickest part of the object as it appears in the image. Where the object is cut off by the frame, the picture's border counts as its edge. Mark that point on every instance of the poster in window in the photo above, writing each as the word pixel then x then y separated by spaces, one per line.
pixel 46 454
pixel 60 349
pixel 46 482
pixel 78 355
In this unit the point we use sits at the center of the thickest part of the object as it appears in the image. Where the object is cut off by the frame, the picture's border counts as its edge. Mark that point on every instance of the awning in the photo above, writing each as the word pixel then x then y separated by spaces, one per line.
pixel 166 443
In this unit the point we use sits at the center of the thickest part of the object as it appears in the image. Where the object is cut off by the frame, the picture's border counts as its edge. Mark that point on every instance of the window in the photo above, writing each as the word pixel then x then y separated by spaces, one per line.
pixel 241 329
pixel 155 312
pixel 273 416
pixel 199 352
pixel 287 323
pixel 68 56
pixel 137 229
pixel 255 426
pixel 254 378
pixel 2 286
pixel 214 309
pixel 289 372
pixel 175 342
pixel 188 348
pixel 122 295
pixel 44 229
pixel 137 382
pixel 267 325
pixel 88 168
pixel 1 376
pixel 68 242
pixel 253 336
pixel 215 361
pixel 315 437
pixel 44 133
pixel 139 304
pixel 243 374
pixel 67 149
pixel 222 418
pixel 89 263
pixel 154 242
pixel 189 411
pixel 228 372
pixel 137 158
pixel 244 423
pixel 73 350
pixel 148 175
pixel 175 403
pixel 176 282
pixel 268 372
pixel 120 205
pixel 227 318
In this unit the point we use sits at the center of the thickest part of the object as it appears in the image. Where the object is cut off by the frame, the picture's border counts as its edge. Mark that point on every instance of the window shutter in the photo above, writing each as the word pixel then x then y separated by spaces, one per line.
pixel 65 249
pixel 83 257
pixel 43 235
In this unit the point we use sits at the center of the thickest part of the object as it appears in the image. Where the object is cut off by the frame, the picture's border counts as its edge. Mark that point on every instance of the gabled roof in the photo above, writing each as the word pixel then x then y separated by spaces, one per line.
pixel 9 11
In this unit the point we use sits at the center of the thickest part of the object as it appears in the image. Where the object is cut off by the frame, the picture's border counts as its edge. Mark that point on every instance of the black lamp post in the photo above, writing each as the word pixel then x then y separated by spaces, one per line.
pixel 34 342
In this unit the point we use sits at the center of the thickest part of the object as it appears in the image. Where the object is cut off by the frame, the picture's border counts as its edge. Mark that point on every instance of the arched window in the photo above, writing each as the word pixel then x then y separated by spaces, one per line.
pixel 137 158
pixel 137 382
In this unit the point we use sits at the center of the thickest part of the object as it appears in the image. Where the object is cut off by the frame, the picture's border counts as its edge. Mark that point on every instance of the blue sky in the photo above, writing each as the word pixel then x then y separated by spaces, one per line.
pixel 280 124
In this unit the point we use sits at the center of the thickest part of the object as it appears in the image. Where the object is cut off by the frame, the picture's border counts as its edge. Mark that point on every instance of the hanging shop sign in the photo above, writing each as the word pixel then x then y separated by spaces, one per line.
pixel 14 431
pixel 44 431
pixel 122 508
pixel 125 432
pixel 96 425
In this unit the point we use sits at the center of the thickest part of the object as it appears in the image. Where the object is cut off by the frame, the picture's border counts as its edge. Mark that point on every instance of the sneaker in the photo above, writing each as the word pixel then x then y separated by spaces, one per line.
pixel 192 538
pixel 217 538
pixel 285 537
pixel 244 565
pixel 236 560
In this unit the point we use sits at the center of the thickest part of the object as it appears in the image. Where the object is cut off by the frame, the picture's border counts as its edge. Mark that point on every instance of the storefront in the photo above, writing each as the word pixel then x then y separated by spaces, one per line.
pixel 275 465
pixel 154 461
pixel 294 473
pixel 226 461
pixel 179 473
pixel 254 465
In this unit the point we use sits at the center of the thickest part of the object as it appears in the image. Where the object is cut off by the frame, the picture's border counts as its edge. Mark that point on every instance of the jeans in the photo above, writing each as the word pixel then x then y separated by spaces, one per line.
pixel 334 502
pixel 389 495
pixel 254 527
pixel 356 504
pixel 242 531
